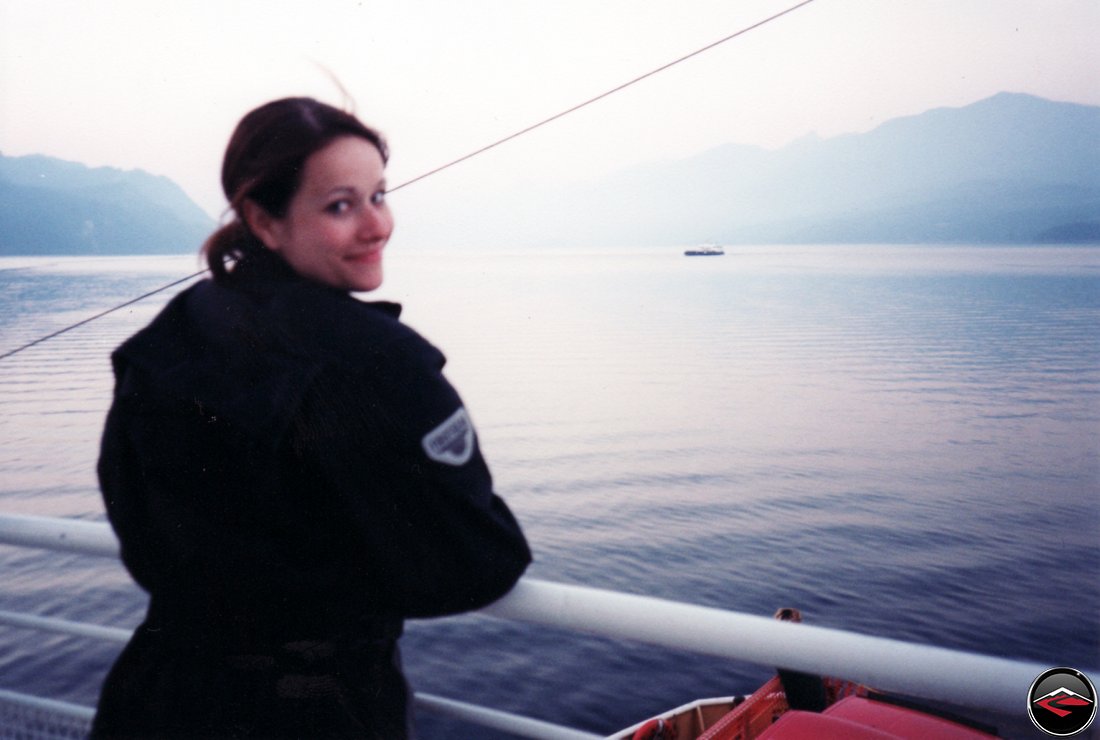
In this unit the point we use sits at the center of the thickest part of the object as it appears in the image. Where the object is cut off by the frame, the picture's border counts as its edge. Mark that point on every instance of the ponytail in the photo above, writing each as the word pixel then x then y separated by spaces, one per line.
pixel 229 244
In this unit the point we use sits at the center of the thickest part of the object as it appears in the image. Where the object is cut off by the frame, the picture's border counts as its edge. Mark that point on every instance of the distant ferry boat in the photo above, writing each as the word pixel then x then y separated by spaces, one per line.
pixel 704 250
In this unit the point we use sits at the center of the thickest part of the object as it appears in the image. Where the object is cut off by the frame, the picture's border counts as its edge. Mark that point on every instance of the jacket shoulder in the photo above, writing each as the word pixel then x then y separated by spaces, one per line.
pixel 252 352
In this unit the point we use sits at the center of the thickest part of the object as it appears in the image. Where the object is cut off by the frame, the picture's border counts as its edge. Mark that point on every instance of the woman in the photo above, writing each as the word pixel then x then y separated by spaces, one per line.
pixel 288 472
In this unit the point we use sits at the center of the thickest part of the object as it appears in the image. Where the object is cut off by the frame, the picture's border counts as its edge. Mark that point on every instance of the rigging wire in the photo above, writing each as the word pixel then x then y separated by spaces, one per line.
pixel 602 95
pixel 100 315
pixel 461 159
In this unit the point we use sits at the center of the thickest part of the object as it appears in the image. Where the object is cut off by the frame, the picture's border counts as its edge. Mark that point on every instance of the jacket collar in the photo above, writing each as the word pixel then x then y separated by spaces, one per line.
pixel 264 270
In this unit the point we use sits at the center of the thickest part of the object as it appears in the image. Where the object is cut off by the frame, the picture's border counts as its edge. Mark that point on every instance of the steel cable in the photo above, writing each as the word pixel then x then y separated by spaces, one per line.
pixel 452 163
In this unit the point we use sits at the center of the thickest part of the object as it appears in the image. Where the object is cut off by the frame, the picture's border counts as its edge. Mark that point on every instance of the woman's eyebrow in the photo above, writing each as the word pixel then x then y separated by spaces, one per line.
pixel 341 190
pixel 352 189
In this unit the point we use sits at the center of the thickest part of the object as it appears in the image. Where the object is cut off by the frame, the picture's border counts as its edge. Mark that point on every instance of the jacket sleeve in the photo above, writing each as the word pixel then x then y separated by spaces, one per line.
pixel 392 448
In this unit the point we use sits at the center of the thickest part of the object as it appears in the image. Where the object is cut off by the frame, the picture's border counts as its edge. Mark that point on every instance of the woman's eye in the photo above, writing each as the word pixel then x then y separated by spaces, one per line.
pixel 339 207
pixel 378 198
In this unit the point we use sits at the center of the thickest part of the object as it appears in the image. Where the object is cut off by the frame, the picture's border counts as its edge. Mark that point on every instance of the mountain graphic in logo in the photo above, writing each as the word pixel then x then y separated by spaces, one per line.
pixel 1062 701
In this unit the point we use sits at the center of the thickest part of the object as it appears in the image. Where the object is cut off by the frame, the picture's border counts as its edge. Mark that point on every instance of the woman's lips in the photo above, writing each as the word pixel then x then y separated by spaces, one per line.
pixel 374 255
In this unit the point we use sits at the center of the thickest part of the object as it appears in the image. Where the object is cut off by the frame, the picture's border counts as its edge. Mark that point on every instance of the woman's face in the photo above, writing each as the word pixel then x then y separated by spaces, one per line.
pixel 338 223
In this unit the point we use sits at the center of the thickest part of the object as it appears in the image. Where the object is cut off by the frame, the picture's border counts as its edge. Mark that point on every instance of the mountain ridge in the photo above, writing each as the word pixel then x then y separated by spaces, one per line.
pixel 1011 168
pixel 54 206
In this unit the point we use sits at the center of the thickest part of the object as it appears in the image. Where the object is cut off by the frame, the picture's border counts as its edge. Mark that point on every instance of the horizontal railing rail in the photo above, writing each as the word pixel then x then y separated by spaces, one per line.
pixel 53 706
pixel 928 672
pixel 97 539
pixel 63 535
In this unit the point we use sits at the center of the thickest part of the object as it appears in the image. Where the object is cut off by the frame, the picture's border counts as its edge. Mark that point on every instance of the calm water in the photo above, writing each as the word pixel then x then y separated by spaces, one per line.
pixel 900 441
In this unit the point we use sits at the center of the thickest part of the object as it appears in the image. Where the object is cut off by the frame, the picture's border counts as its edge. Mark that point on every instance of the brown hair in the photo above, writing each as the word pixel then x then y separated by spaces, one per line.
pixel 263 163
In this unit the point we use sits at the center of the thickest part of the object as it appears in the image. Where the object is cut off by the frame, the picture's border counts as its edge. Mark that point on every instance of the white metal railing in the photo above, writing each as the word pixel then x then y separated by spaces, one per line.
pixel 933 673
pixel 95 538
pixel 66 535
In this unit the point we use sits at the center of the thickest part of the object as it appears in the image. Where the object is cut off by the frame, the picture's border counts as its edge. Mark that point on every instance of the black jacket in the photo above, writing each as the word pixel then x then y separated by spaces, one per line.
pixel 286 466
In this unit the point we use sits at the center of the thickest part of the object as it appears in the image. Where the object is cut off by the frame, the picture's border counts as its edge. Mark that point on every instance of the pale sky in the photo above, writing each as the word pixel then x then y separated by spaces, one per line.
pixel 160 85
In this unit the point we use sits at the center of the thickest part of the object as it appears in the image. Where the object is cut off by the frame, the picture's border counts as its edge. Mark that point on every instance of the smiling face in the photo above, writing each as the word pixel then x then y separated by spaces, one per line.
pixel 337 224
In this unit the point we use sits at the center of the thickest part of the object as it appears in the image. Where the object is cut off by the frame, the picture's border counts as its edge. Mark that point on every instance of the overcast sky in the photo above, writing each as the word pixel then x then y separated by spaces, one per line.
pixel 160 85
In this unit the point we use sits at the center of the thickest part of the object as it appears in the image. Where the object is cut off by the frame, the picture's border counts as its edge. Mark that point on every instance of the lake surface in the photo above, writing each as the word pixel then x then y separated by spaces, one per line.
pixel 901 441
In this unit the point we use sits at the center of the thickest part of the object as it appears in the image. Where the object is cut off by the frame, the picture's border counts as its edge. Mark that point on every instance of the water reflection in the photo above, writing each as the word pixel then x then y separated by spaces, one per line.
pixel 901 441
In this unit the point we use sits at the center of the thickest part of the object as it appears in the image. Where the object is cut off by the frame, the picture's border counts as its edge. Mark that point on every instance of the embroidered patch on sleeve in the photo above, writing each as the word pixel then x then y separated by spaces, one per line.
pixel 452 442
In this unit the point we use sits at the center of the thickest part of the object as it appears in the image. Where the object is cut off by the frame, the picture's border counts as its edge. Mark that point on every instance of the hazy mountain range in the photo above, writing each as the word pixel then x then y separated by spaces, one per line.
pixel 50 206
pixel 1009 169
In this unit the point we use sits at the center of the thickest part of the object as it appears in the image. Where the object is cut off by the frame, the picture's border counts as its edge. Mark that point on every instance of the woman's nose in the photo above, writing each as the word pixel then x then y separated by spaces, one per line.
pixel 375 223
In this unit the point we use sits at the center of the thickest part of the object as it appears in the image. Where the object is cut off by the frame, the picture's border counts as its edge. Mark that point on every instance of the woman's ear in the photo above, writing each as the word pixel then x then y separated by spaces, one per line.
pixel 262 224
